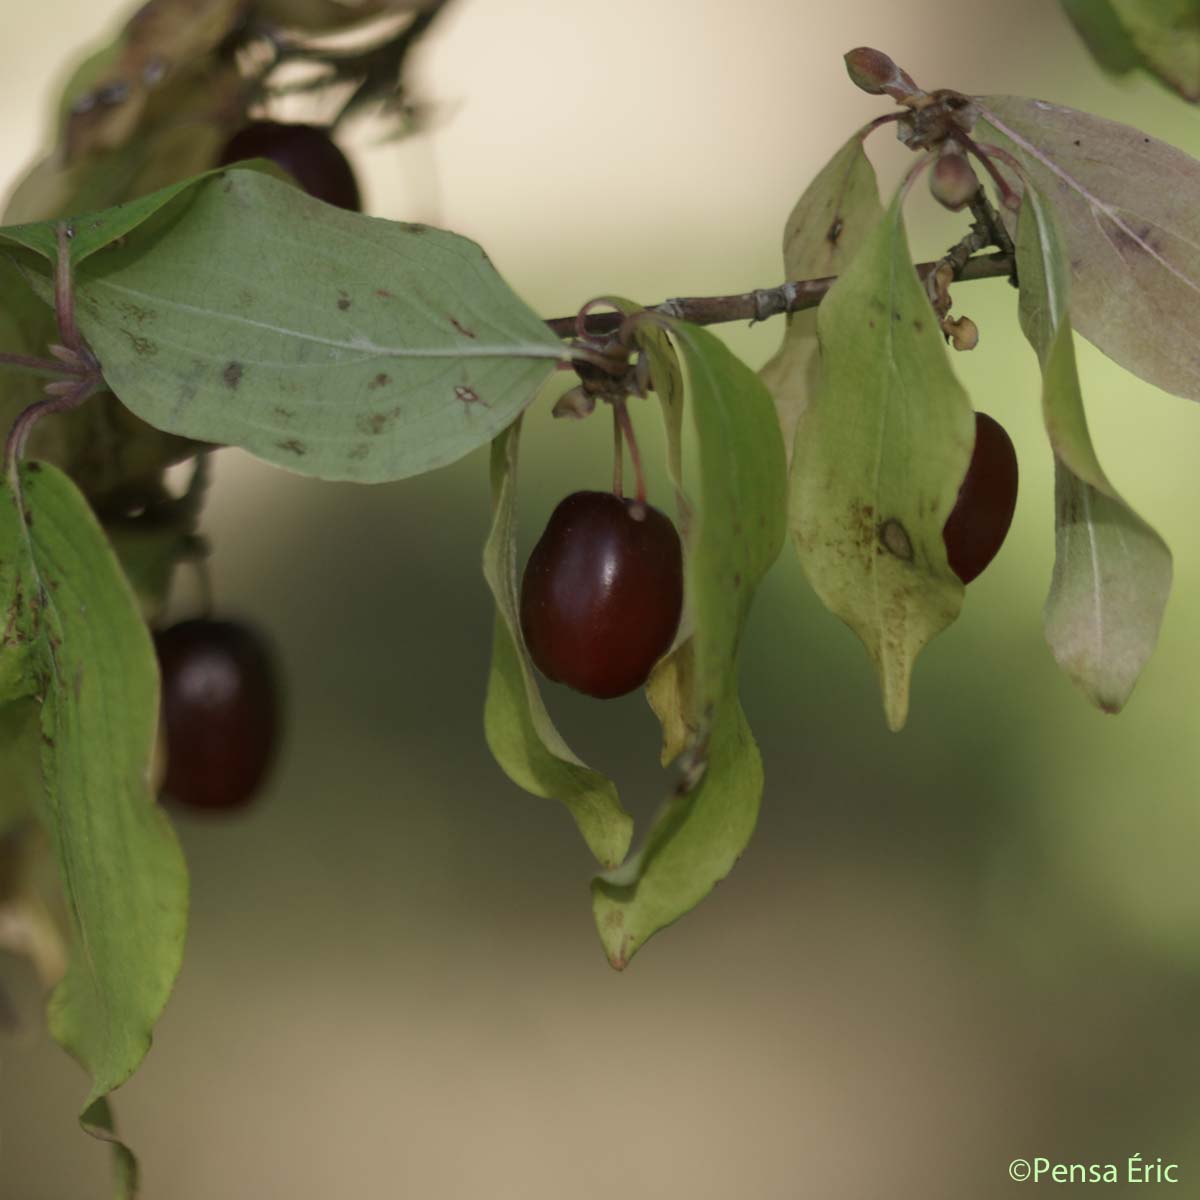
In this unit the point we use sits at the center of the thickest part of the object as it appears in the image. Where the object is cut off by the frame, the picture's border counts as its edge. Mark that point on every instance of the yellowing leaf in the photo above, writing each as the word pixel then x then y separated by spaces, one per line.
pixel 880 454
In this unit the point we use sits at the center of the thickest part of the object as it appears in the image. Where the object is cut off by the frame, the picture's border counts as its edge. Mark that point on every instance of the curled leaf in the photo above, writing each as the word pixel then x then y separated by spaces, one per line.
pixel 1112 571
pixel 519 731
pixel 738 525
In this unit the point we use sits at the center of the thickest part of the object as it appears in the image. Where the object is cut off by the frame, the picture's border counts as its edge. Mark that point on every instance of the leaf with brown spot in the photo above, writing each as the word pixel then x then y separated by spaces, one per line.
pixel 188 261
pixel 880 454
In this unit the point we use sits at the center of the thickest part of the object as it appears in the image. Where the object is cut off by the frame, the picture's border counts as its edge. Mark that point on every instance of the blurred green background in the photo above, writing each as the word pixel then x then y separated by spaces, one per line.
pixel 974 941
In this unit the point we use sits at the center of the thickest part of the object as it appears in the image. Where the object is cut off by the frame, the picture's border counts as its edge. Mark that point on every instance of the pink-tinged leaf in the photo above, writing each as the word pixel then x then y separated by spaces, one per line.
pixel 1128 206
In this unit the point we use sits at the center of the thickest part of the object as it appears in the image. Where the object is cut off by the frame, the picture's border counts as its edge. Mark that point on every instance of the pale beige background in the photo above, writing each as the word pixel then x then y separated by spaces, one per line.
pixel 943 950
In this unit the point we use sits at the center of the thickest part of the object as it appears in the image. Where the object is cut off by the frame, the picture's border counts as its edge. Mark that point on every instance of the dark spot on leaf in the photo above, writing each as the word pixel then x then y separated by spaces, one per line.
pixel 469 396
pixel 871 323
pixel 344 301
pixel 142 346
pixel 417 228
pixel 918 325
pixel 893 537
pixel 384 294
pixel 380 380
pixel 737 579
pixel 293 446
pixel 835 231
pixel 1077 142
pixel 374 423
pixel 33 467
pixel 135 312
pixel 359 451
pixel 285 414
pixel 462 328
pixel 232 375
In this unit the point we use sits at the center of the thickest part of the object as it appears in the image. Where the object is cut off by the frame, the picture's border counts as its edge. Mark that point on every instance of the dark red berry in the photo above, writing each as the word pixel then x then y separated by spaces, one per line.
pixel 308 154
pixel 220 712
pixel 602 593
pixel 979 521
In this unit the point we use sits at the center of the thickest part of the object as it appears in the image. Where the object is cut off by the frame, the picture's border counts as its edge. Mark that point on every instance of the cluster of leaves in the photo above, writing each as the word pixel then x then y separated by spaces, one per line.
pixel 230 308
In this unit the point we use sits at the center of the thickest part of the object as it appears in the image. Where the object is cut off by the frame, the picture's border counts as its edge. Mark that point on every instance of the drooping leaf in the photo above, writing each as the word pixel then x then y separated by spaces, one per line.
pixel 1112 572
pixel 1127 207
pixel 519 731
pixel 337 345
pixel 122 871
pixel 826 229
pixel 880 454
pixel 694 844
pixel 737 530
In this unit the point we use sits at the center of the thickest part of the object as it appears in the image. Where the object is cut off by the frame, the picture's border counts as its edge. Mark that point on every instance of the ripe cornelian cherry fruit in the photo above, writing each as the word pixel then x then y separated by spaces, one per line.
pixel 308 154
pixel 602 593
pixel 979 521
pixel 220 712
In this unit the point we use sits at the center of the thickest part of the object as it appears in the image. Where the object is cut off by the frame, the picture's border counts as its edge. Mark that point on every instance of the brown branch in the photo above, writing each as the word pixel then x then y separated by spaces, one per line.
pixel 766 302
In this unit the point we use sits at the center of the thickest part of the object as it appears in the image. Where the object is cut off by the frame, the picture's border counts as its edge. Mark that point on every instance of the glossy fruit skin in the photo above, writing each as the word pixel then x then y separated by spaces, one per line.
pixel 602 593
pixel 220 712
pixel 979 521
pixel 308 154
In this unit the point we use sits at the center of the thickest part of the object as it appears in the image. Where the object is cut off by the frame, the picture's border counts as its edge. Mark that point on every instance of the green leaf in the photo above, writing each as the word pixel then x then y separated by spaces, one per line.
pixel 737 530
pixel 1167 35
pixel 741 506
pixel 246 313
pixel 96 231
pixel 692 847
pixel 1126 205
pixel 123 875
pixel 1112 572
pixel 826 229
pixel 880 455
pixel 519 731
